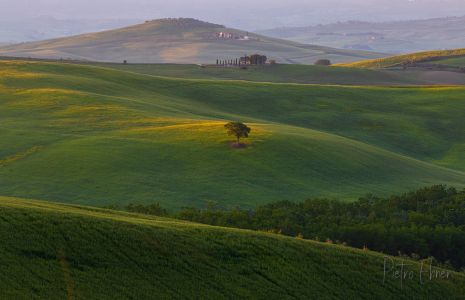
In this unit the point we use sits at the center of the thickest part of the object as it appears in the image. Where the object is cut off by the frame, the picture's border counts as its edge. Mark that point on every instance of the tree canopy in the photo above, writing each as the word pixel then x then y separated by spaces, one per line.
pixel 427 223
pixel 237 129
pixel 323 62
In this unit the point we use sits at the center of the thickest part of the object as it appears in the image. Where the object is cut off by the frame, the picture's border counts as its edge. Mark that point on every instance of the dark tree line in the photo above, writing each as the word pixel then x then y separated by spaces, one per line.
pixel 427 223
pixel 255 59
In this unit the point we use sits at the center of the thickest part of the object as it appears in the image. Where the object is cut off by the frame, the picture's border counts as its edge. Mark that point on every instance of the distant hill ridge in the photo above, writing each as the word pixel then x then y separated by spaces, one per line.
pixel 184 22
pixel 183 40
pixel 388 37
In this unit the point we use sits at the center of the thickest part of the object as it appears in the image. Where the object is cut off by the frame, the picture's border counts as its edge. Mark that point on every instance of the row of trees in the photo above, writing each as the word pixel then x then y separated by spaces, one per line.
pixel 255 59
pixel 427 223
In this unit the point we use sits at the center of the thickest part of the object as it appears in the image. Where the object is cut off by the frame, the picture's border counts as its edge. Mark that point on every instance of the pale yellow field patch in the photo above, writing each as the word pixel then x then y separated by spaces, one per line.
pixel 192 130
pixel 93 109
pixel 8 70
pixel 141 122
pixel 41 98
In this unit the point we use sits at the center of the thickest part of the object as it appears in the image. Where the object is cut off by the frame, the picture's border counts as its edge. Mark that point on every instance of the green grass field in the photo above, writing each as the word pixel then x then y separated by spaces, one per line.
pixel 97 136
pixel 283 73
pixel 286 73
pixel 453 62
pixel 52 251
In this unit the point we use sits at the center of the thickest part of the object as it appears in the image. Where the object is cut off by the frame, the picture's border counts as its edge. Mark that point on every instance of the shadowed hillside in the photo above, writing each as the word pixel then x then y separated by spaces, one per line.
pixel 178 41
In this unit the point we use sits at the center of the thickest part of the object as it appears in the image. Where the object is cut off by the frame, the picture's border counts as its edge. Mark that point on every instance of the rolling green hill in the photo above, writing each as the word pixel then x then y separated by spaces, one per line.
pixel 408 59
pixel 179 41
pixel 452 62
pixel 100 136
pixel 52 251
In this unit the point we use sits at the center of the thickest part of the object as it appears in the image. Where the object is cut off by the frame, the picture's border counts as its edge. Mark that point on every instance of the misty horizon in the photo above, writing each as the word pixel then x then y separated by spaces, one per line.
pixel 239 15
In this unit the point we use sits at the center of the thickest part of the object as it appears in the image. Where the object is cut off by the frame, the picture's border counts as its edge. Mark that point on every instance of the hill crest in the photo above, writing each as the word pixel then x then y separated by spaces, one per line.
pixel 408 60
pixel 184 22
pixel 183 40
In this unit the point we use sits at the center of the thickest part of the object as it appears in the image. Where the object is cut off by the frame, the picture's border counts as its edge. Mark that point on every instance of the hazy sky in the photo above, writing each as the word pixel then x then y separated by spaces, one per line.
pixel 238 13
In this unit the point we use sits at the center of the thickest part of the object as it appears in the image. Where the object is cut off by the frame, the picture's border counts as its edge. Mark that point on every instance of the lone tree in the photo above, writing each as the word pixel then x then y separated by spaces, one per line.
pixel 238 129
pixel 323 62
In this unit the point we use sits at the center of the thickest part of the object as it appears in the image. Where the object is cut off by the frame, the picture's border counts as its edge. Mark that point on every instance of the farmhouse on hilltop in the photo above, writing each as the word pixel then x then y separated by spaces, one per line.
pixel 232 36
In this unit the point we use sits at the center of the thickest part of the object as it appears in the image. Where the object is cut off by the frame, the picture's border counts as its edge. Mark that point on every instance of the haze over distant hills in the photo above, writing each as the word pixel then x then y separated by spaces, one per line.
pixel 243 14
pixel 388 37
pixel 41 28
pixel 178 41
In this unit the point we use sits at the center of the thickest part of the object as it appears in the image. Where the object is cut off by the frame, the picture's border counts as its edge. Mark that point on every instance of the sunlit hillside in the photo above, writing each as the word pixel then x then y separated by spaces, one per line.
pixel 99 136
pixel 431 57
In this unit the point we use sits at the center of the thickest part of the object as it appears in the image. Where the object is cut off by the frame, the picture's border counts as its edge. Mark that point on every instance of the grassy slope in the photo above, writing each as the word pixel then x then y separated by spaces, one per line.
pixel 99 136
pixel 278 73
pixel 185 40
pixel 51 251
pixel 453 62
pixel 395 61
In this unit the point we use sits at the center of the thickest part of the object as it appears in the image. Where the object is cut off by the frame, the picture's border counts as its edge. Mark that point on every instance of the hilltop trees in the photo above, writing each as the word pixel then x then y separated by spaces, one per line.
pixel 237 129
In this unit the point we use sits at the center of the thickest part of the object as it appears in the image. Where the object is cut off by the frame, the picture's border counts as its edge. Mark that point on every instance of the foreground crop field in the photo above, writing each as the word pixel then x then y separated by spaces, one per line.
pixel 52 251
pixel 98 136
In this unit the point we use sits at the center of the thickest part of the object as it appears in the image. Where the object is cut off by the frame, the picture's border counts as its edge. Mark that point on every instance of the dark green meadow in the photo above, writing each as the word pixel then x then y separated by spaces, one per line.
pixel 52 251
pixel 452 62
